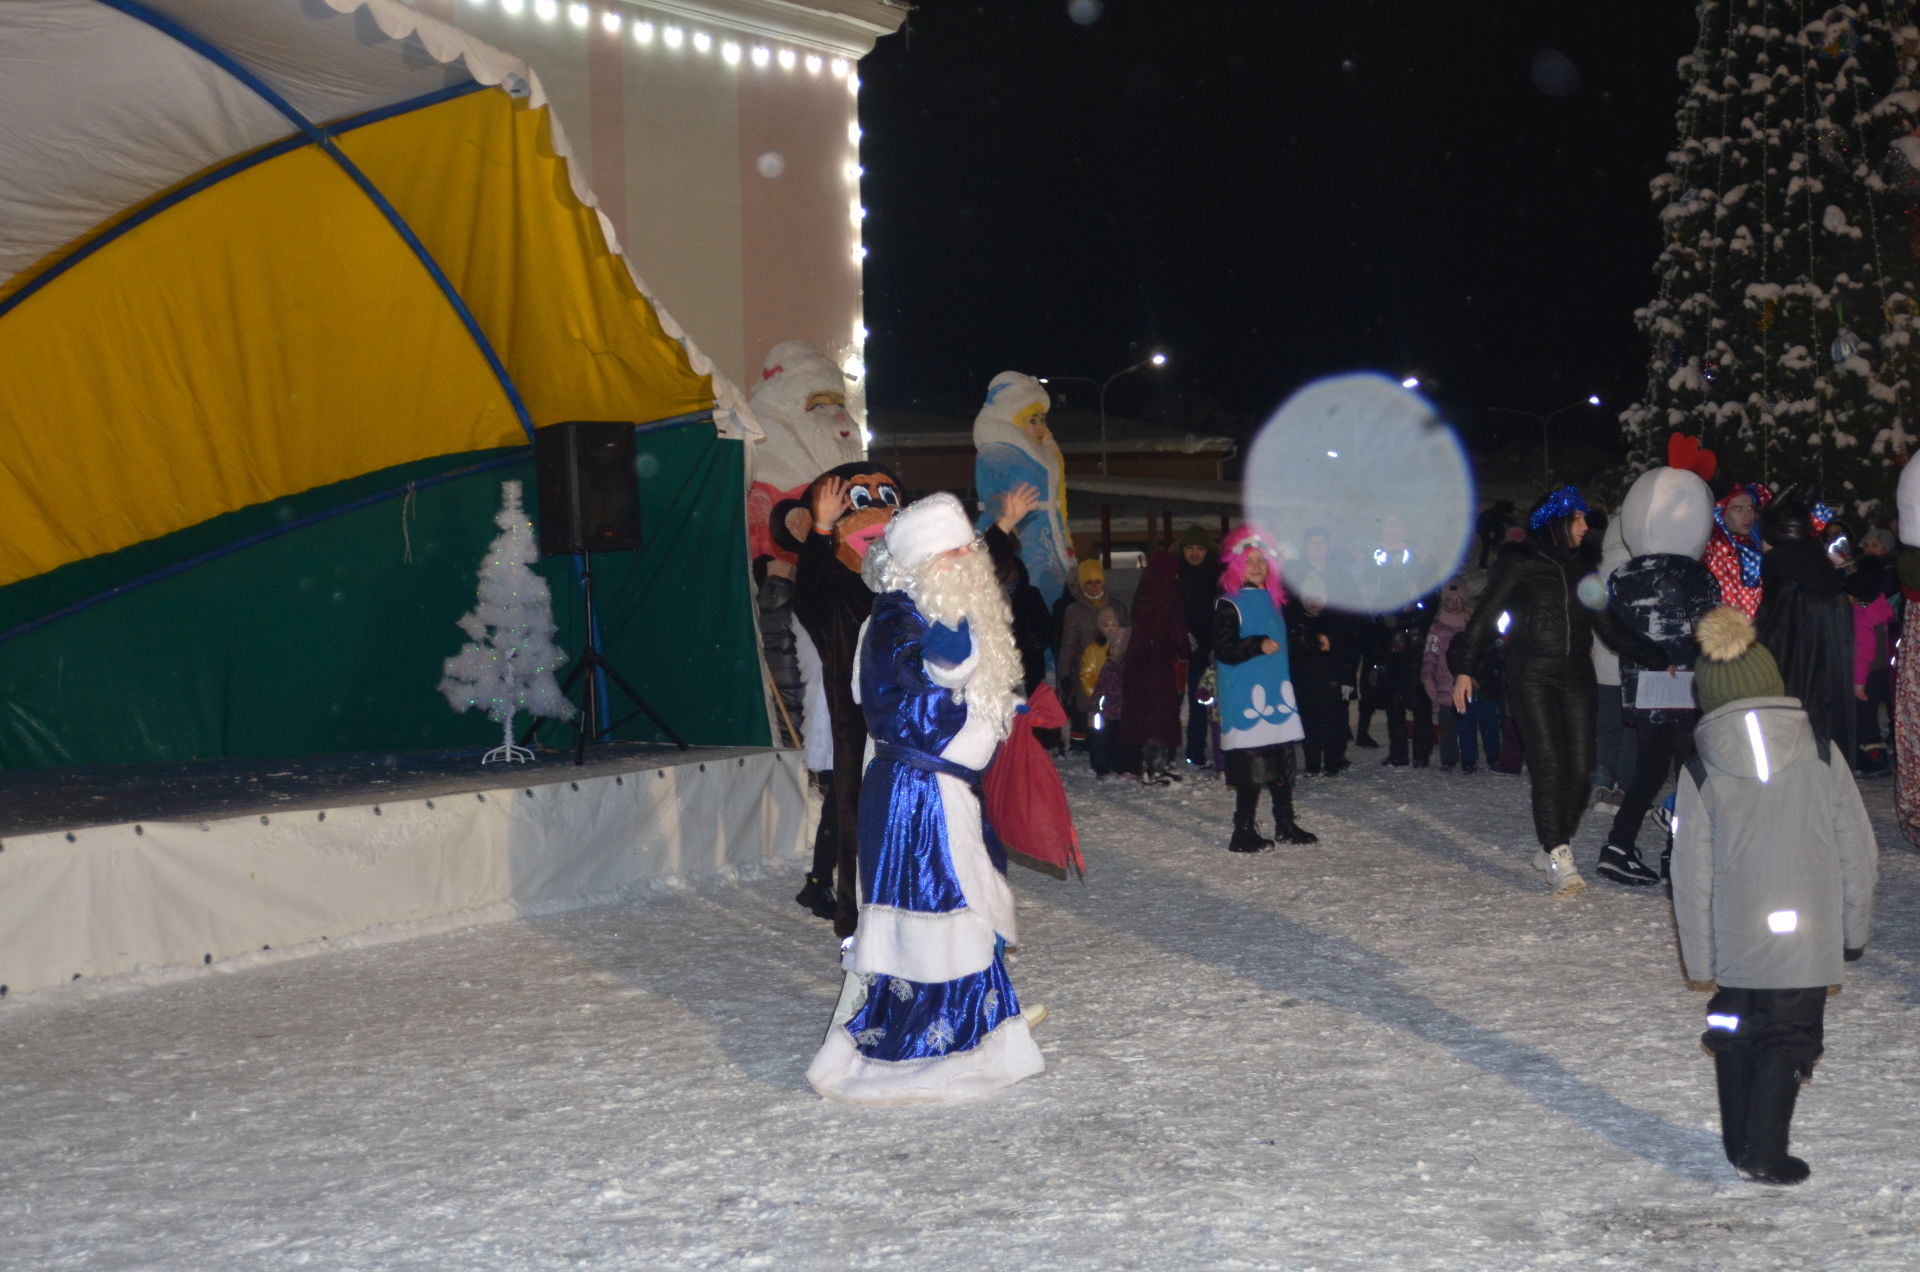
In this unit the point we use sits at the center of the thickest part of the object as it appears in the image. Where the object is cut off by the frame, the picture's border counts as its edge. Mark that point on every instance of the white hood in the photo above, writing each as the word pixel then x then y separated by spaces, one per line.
pixel 1667 510
pixel 801 444
pixel 1008 394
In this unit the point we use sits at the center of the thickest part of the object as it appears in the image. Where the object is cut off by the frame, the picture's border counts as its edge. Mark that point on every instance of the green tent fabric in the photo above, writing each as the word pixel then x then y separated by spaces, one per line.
pixel 239 655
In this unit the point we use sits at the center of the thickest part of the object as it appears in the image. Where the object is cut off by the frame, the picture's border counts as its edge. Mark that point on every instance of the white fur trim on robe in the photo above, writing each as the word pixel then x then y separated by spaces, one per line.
pixel 841 1073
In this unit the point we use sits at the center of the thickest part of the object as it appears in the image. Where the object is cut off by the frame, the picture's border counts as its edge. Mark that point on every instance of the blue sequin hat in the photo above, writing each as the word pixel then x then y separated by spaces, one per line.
pixel 1564 501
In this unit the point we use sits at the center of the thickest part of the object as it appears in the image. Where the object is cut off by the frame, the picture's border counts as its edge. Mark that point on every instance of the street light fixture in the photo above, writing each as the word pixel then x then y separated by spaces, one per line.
pixel 1545 418
pixel 1156 359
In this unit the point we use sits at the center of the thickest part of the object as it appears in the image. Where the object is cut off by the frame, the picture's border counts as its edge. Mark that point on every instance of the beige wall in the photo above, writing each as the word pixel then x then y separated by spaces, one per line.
pixel 672 141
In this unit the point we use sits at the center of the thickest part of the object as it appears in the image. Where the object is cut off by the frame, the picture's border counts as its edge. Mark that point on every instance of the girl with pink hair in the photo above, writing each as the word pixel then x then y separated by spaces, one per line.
pixel 1259 714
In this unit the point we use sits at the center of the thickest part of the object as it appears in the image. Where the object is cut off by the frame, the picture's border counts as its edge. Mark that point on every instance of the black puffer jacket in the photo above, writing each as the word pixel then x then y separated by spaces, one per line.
pixel 1538 586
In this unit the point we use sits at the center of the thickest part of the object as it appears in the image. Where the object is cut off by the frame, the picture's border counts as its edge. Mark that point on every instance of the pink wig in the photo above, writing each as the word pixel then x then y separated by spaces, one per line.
pixel 1235 550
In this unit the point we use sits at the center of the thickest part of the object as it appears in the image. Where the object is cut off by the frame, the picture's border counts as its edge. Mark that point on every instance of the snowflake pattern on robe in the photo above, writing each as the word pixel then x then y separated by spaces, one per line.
pixel 939 1035
pixel 993 1001
pixel 901 988
pixel 867 1037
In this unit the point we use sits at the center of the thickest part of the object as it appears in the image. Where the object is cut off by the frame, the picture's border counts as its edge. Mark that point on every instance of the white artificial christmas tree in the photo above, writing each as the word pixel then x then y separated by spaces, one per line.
pixel 507 666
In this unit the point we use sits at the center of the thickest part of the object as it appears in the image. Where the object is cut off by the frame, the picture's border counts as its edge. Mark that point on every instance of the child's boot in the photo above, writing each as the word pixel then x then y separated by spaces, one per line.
pixel 1733 1076
pixel 1770 1101
pixel 1246 800
pixel 1283 824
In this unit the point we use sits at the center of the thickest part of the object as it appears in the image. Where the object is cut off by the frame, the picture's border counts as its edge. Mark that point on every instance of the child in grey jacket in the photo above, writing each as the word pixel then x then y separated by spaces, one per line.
pixel 1773 873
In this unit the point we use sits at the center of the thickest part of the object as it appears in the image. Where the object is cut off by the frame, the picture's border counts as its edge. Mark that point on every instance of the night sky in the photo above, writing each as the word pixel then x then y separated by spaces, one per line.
pixel 1271 190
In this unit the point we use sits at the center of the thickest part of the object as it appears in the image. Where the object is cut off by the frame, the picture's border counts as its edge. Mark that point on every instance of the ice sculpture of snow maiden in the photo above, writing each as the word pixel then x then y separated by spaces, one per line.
pixel 1010 434
pixel 927 1012
pixel 801 403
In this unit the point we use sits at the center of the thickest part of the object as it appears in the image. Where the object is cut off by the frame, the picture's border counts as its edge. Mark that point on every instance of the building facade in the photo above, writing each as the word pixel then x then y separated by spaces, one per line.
pixel 722 139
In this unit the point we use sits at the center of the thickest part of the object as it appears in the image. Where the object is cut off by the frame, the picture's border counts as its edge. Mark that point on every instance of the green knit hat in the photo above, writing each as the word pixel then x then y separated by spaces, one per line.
pixel 1194 537
pixel 1733 663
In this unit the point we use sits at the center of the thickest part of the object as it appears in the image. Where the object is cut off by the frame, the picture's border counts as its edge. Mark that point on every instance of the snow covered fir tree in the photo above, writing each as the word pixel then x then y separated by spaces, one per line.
pixel 1789 279
pixel 507 665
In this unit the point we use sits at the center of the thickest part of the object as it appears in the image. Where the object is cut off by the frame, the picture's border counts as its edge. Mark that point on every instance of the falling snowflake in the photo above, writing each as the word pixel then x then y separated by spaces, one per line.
pixel 993 1001
pixel 869 1037
pixel 902 989
pixel 939 1035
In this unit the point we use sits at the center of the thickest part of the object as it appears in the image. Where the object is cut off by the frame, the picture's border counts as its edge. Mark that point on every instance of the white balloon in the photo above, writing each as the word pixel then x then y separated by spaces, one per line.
pixel 1349 454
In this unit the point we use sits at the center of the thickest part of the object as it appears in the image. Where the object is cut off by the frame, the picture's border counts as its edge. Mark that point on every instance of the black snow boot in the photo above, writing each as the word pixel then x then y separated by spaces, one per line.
pixel 1283 824
pixel 1246 801
pixel 1770 1100
pixel 1623 865
pixel 1733 1076
pixel 818 896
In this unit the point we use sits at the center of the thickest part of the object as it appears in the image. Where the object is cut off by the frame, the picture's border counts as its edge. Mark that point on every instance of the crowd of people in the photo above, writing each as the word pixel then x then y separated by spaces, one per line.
pixel 1737 647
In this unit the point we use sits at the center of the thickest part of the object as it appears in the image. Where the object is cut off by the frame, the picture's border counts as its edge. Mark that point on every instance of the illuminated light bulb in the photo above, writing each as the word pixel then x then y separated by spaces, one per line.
pixel 1593 399
pixel 610 22
pixel 643 33
pixel 514 7
pixel 787 59
pixel 578 14
pixel 702 41
pixel 853 84
pixel 813 63
pixel 853 133
pixel 860 332
pixel 545 10
pixel 854 367
pixel 859 252
pixel 839 68
pixel 730 53
pixel 857 213
pixel 674 36
pixel 1159 359
pixel 761 55
pixel 866 435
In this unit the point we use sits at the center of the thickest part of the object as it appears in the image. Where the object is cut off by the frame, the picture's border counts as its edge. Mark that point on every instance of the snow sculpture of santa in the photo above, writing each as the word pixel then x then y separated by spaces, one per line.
pixel 927 1012
pixel 1015 448
pixel 801 403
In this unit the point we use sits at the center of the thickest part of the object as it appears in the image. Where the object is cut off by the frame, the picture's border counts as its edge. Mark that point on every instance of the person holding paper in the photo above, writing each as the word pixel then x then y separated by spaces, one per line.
pixel 1660 593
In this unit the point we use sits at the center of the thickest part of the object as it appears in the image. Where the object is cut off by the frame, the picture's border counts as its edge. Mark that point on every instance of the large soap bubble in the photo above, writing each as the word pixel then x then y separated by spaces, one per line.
pixel 1368 463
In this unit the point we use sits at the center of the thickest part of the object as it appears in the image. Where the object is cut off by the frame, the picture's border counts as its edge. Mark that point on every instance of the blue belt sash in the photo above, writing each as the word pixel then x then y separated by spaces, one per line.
pixel 927 762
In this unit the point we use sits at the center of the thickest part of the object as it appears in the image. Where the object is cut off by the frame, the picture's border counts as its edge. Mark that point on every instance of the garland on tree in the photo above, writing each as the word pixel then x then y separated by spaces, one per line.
pixel 507 665
pixel 1782 334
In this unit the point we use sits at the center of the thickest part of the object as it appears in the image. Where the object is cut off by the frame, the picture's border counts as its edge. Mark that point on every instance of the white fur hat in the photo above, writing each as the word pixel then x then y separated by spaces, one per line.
pixel 926 528
pixel 1008 394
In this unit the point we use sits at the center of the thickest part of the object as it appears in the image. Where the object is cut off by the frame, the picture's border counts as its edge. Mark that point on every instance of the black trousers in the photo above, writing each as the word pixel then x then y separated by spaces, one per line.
pixel 1551 700
pixel 1656 747
pixel 1788 1022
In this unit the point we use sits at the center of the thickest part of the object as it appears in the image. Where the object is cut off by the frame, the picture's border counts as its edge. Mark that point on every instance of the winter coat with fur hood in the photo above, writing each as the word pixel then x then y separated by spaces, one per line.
pixel 1773 856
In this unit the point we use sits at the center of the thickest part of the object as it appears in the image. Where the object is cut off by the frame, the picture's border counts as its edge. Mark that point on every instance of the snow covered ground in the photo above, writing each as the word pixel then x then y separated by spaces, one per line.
pixel 1390 1050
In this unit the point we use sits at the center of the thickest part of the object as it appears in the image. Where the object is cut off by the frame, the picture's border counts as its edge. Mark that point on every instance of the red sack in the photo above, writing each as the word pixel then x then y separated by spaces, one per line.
pixel 1025 801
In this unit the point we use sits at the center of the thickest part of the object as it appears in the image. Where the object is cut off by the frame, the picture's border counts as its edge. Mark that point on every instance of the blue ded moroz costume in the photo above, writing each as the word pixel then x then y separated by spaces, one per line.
pixel 927 1013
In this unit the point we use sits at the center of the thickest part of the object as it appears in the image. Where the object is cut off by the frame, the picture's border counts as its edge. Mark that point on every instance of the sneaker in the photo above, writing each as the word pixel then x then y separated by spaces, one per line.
pixel 1560 871
pixel 1663 816
pixel 1607 795
pixel 1623 865
pixel 1035 1016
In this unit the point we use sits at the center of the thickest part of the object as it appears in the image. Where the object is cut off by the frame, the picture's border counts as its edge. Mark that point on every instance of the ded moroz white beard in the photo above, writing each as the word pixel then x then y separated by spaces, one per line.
pixel 947 590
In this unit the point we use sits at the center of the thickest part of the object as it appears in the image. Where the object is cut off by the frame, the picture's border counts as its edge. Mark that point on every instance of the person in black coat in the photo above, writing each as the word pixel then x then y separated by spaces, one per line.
pixel 1805 619
pixel 1199 588
pixel 1550 679
pixel 1316 679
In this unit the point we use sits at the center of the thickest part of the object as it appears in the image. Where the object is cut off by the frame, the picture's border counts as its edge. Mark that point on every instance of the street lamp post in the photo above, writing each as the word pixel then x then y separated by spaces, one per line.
pixel 1155 359
pixel 1546 418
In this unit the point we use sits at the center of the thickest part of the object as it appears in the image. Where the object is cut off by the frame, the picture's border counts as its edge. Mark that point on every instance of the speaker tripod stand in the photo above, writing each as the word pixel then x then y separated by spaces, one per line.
pixel 591 660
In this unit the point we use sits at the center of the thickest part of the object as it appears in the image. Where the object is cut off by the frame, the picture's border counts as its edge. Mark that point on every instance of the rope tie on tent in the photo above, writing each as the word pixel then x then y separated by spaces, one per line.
pixel 406 536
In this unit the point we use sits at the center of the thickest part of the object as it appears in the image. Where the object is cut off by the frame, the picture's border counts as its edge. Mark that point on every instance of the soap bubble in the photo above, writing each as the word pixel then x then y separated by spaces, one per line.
pixel 1370 464
pixel 1554 73
pixel 770 164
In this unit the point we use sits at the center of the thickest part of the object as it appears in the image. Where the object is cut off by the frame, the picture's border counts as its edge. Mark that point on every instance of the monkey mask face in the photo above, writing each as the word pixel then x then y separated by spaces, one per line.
pixel 874 496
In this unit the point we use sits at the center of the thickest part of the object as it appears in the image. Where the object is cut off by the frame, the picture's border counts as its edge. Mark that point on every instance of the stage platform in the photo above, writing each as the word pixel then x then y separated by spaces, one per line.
pixel 112 870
